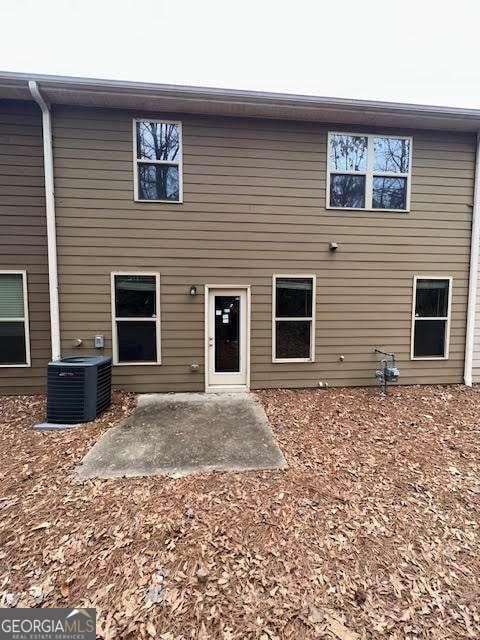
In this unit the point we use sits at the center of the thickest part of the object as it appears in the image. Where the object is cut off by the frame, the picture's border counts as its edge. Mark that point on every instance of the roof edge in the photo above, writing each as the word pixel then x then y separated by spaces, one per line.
pixel 150 97
pixel 286 99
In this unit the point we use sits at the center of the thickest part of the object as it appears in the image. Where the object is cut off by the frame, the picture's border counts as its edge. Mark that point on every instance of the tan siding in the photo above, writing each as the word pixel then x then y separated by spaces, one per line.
pixel 23 232
pixel 254 205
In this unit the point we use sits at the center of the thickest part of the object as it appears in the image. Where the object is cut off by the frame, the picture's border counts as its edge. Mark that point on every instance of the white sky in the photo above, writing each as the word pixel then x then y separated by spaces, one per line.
pixel 422 51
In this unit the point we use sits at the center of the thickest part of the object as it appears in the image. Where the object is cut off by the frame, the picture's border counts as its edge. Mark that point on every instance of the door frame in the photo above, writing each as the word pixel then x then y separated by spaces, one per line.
pixel 208 288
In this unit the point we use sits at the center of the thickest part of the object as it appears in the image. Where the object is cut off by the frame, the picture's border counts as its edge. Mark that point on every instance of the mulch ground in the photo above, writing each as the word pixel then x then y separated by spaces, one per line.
pixel 372 532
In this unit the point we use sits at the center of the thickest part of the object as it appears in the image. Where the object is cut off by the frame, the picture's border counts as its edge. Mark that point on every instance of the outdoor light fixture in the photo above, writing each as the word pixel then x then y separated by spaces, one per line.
pixel 333 246
pixel 193 290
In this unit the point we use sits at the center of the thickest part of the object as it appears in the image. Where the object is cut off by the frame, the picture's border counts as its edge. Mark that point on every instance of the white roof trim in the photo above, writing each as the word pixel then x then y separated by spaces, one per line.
pixel 235 102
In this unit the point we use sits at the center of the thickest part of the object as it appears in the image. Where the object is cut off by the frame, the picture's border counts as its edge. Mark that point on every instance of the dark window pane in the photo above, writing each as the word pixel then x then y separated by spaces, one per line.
pixel 158 182
pixel 429 338
pixel 391 154
pixel 227 334
pixel 12 343
pixel 292 339
pixel 347 191
pixel 347 153
pixel 135 296
pixel 432 298
pixel 293 297
pixel 389 193
pixel 157 141
pixel 137 341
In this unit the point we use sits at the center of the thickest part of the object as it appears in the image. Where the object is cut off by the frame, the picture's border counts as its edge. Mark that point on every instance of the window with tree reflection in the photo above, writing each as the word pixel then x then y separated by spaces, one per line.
pixel 391 155
pixel 347 191
pixel 389 193
pixel 348 152
pixel 367 171
pixel 158 160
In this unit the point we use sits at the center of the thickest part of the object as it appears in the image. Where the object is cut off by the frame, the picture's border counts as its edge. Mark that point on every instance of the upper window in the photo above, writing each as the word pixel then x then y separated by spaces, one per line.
pixel 14 334
pixel 136 318
pixel 431 317
pixel 368 171
pixel 293 318
pixel 158 160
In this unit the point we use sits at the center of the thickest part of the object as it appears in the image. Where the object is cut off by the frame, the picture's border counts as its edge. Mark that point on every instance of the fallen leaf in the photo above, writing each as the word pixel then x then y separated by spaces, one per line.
pixel 42 525
pixel 340 630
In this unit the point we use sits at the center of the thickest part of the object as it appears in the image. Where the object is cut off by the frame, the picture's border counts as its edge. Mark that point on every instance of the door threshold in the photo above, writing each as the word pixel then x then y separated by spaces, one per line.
pixel 233 388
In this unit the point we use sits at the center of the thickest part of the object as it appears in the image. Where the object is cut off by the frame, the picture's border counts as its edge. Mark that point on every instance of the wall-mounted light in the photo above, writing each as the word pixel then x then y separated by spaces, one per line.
pixel 193 290
pixel 333 246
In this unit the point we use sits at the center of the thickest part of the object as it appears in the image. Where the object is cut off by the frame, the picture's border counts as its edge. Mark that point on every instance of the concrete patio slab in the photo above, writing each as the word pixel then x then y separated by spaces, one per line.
pixel 182 433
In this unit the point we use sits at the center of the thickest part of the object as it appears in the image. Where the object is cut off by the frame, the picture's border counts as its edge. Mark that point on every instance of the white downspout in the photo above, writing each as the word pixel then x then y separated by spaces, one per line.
pixel 474 266
pixel 50 211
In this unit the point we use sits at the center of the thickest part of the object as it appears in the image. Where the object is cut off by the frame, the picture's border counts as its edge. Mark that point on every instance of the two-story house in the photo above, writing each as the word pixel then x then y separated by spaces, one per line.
pixel 211 239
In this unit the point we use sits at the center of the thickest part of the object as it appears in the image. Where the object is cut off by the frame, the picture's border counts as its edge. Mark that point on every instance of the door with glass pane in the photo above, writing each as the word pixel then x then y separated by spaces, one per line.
pixel 227 338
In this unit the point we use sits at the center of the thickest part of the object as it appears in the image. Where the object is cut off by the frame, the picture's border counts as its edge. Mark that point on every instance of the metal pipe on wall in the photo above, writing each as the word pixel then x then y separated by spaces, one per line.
pixel 473 279
pixel 50 213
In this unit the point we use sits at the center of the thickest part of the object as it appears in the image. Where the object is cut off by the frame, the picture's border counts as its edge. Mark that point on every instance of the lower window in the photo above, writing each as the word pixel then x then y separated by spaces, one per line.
pixel 14 339
pixel 292 339
pixel 431 317
pixel 136 318
pixel 293 318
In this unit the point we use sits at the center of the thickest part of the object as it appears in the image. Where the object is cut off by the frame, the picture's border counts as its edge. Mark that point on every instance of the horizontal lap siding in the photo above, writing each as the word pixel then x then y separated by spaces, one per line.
pixel 254 205
pixel 23 243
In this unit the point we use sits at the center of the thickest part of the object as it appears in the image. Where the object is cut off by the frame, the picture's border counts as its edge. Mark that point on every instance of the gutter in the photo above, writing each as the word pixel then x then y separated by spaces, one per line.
pixel 106 93
pixel 473 280
pixel 50 212
pixel 247 95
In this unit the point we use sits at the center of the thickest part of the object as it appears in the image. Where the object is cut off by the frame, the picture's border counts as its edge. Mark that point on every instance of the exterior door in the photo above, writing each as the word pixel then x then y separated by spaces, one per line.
pixel 227 338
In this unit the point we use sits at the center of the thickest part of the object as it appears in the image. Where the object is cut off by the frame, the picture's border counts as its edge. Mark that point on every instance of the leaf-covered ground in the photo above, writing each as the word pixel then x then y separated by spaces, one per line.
pixel 372 532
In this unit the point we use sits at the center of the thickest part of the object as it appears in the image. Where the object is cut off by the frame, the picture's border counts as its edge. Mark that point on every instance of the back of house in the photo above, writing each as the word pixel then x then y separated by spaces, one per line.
pixel 221 240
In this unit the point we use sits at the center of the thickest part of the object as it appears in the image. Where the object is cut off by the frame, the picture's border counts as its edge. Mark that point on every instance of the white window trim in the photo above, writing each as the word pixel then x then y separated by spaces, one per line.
pixel 24 319
pixel 311 319
pixel 114 318
pixel 446 318
pixel 370 173
pixel 137 161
